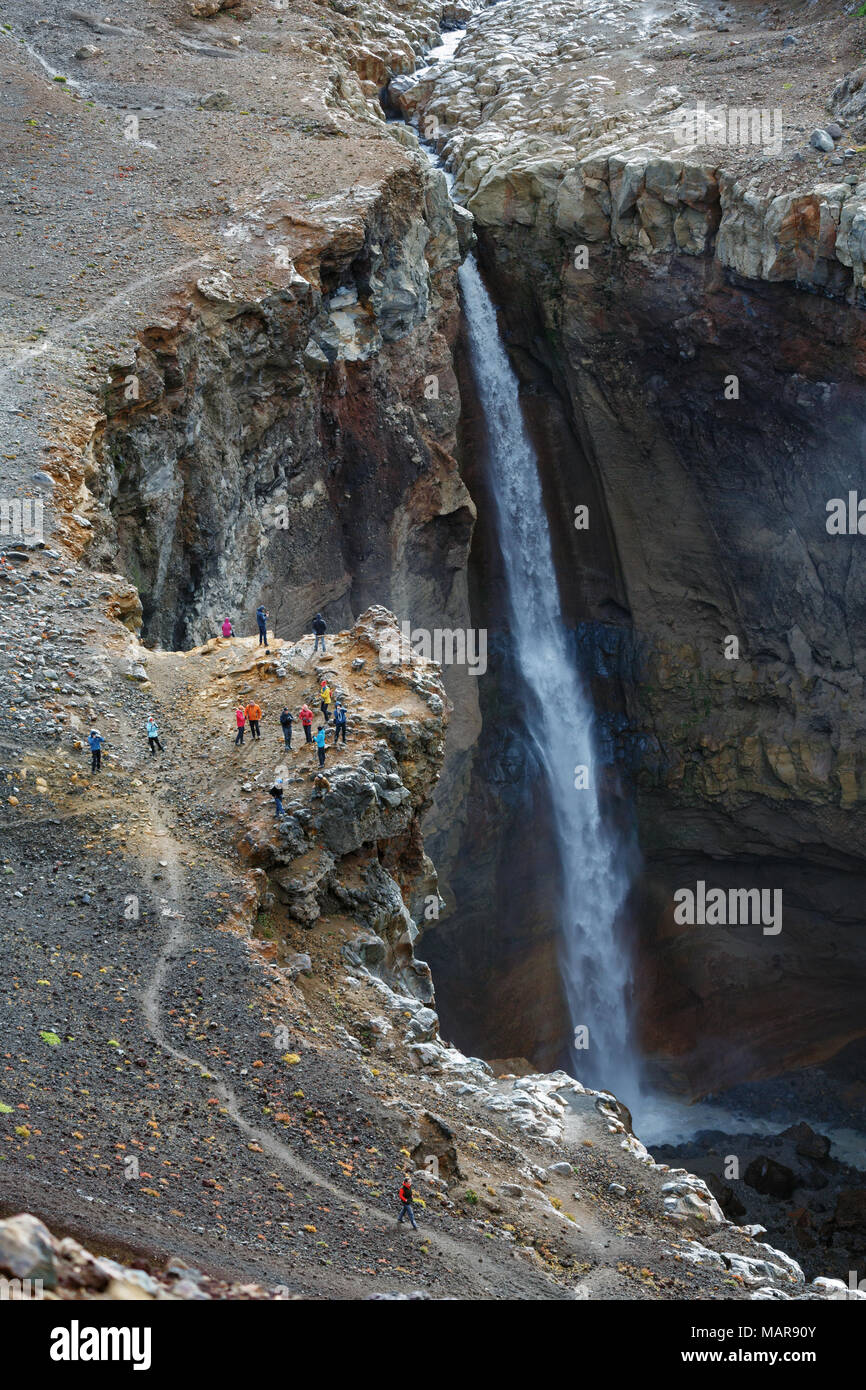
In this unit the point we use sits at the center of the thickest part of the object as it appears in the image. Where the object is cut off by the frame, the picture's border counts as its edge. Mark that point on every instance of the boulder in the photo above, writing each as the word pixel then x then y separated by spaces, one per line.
pixel 27 1250
pixel 770 1178
pixel 820 140
pixel 807 1142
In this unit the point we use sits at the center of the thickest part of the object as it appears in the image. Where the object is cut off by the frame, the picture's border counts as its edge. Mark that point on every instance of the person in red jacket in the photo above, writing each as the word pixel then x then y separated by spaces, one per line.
pixel 406 1203
pixel 306 718
pixel 240 720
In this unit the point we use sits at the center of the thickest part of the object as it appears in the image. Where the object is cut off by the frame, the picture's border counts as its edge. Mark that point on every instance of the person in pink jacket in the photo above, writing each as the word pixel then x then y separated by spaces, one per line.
pixel 240 720
pixel 228 630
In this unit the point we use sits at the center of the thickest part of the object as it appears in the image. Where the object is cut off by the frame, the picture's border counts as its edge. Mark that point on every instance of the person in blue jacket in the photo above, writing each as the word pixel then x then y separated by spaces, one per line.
pixel 95 741
pixel 320 744
pixel 152 729
pixel 340 717
pixel 262 616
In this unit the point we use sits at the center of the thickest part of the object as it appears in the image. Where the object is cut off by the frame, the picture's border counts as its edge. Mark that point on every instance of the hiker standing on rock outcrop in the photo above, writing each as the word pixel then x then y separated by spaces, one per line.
pixel 240 720
pixel 262 616
pixel 287 719
pixel 95 740
pixel 254 714
pixel 325 693
pixel 153 736
pixel 320 744
pixel 320 627
pixel 306 718
pixel 228 630
pixel 340 717
pixel 406 1203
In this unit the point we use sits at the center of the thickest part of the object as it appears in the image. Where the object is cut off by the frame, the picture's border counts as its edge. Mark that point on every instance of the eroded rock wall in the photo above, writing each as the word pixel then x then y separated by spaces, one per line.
pixel 281 449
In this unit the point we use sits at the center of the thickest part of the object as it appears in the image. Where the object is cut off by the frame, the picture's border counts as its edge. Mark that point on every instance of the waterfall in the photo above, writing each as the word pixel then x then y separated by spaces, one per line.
pixel 595 863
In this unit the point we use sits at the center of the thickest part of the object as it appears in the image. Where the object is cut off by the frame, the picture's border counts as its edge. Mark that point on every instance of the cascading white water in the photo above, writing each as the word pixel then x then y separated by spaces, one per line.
pixel 595 864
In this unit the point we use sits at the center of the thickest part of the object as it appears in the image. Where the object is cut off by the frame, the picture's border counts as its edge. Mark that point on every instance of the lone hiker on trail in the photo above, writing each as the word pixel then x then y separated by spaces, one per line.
pixel 277 794
pixel 340 717
pixel 287 719
pixel 153 736
pixel 254 714
pixel 262 616
pixel 228 630
pixel 240 720
pixel 320 744
pixel 320 627
pixel 95 740
pixel 306 718
pixel 325 693
pixel 406 1203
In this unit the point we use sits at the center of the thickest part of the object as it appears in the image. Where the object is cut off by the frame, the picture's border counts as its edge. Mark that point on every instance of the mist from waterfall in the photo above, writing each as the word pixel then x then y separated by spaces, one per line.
pixel 596 863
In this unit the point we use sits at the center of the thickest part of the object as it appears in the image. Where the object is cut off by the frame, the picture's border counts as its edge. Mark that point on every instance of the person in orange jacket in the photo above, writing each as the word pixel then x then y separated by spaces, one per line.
pixel 254 714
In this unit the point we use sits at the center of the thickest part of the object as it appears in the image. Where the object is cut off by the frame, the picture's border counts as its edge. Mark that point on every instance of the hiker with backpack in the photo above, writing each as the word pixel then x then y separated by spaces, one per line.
pixel 262 616
pixel 95 742
pixel 407 1206
pixel 340 717
pixel 287 719
pixel 277 794
pixel 153 736
pixel 325 693
pixel 253 713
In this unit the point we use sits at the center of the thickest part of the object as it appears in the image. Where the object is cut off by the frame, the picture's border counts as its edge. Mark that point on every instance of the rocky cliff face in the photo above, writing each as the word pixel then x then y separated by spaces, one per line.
pixel 280 447
pixel 688 322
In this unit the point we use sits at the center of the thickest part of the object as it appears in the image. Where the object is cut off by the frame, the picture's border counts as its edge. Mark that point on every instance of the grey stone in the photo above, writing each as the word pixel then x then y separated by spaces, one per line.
pixel 820 140
pixel 216 101
pixel 27 1249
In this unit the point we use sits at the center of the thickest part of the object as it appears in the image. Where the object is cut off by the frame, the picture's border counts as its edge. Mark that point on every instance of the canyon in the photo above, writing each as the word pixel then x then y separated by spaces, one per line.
pixel 253 381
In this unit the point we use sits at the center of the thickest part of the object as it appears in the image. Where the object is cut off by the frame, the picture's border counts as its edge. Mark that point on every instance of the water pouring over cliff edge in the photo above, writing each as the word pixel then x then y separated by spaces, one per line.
pixel 596 861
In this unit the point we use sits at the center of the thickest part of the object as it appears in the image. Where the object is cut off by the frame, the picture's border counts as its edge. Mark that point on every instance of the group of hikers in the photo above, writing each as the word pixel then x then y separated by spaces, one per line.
pixel 250 715
pixel 320 627
pixel 95 742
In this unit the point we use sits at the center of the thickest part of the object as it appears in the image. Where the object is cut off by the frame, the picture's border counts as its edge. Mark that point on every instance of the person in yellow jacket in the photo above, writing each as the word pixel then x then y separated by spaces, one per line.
pixel 326 700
